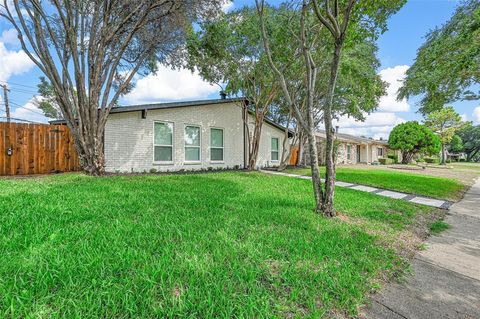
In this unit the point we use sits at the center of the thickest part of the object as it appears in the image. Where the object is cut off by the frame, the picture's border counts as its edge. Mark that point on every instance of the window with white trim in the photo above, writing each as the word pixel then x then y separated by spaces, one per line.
pixel 163 142
pixel 380 151
pixel 192 143
pixel 349 152
pixel 274 149
pixel 216 145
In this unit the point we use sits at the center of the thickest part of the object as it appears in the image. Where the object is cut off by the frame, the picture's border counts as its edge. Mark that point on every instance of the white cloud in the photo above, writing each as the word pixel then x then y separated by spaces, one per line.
pixel 29 112
pixel 377 132
pixel 374 119
pixel 13 63
pixel 393 76
pixel 476 114
pixel 376 125
pixel 227 6
pixel 9 36
pixel 380 123
pixel 464 117
pixel 169 85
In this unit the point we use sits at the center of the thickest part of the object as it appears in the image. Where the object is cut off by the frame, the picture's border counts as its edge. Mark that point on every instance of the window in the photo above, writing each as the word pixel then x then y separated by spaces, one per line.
pixel 380 151
pixel 274 154
pixel 192 143
pixel 216 145
pixel 349 152
pixel 163 142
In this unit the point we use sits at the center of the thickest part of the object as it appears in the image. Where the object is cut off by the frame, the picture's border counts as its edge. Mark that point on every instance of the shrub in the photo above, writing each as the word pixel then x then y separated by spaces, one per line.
pixel 386 161
pixel 394 157
pixel 153 171
pixel 429 160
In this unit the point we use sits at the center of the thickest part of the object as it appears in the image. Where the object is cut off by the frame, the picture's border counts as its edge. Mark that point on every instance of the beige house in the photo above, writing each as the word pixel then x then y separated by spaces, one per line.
pixel 194 135
pixel 352 149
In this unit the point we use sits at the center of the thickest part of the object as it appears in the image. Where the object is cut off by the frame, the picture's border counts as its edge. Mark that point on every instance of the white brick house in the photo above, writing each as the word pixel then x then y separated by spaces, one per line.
pixel 355 149
pixel 186 135
pixel 351 149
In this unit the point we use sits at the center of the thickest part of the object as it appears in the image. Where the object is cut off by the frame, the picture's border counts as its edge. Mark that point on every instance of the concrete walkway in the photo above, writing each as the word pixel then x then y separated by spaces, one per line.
pixel 444 204
pixel 446 276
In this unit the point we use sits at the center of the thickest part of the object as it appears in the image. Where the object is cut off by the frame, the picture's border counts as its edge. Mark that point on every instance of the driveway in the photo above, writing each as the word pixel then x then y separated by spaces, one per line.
pixel 445 280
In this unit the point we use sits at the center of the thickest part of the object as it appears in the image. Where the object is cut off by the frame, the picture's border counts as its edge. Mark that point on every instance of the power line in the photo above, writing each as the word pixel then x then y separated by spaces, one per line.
pixel 23 107
pixel 22 120
pixel 23 91
pixel 18 84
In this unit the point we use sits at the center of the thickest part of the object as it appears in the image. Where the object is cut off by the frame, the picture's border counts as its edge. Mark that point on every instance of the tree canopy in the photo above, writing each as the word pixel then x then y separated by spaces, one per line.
pixel 412 138
pixel 444 122
pixel 470 136
pixel 447 66
pixel 455 145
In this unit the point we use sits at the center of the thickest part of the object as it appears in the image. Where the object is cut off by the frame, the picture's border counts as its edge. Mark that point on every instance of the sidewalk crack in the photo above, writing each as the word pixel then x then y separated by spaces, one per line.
pixel 450 270
pixel 395 312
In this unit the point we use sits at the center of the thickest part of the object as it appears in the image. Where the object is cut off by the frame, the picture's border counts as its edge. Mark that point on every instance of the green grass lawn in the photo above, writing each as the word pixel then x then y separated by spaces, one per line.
pixel 197 246
pixel 438 187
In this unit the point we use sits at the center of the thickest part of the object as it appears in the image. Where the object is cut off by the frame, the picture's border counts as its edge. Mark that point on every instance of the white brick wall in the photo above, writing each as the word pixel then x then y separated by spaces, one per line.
pixel 129 138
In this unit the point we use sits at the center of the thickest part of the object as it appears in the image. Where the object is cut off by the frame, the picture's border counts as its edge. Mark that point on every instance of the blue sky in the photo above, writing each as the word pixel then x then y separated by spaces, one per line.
pixel 397 50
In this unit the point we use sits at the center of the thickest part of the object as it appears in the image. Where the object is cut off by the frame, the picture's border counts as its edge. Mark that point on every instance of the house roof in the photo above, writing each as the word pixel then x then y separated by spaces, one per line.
pixel 171 105
pixel 352 138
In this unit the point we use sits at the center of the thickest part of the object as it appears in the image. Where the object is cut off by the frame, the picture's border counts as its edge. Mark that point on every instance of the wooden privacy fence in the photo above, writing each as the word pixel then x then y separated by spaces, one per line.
pixel 36 149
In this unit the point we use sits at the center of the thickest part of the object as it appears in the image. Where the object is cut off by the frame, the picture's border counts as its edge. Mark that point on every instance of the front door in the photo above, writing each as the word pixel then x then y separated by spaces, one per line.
pixel 358 153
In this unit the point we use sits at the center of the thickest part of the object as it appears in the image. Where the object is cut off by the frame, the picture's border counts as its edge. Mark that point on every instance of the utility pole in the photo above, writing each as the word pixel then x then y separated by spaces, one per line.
pixel 5 97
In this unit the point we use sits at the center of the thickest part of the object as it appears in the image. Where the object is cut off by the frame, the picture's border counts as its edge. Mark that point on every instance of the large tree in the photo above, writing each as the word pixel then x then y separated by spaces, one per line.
pixel 325 29
pixel 90 50
pixel 447 66
pixel 444 122
pixel 412 138
pixel 228 51
pixel 470 136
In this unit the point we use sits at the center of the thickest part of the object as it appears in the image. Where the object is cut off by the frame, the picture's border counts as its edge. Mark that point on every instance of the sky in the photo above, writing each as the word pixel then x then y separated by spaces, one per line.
pixel 397 51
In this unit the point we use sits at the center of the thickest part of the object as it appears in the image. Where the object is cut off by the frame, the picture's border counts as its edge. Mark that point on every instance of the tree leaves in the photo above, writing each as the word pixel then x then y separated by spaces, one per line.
pixel 447 66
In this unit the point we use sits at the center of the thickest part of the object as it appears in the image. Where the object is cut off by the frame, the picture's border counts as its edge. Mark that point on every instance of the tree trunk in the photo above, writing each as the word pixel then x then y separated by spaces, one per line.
pixel 406 157
pixel 301 143
pixel 328 208
pixel 316 180
pixel 90 151
pixel 444 155
pixel 471 155
pixel 286 155
pixel 255 143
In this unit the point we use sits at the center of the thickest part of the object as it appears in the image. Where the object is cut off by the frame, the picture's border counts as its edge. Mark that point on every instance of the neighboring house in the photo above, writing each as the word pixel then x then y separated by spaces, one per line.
pixel 352 149
pixel 190 135
pixel 456 156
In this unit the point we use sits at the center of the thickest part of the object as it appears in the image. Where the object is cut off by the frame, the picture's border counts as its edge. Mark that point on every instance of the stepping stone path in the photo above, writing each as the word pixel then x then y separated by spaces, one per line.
pixel 443 204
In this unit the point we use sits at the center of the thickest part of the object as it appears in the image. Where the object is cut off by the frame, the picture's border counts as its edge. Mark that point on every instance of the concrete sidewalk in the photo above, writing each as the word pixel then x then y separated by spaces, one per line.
pixel 439 203
pixel 445 282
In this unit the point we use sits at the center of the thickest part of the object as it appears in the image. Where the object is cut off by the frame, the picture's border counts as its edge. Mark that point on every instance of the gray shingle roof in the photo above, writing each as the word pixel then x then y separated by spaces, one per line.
pixel 352 138
pixel 171 105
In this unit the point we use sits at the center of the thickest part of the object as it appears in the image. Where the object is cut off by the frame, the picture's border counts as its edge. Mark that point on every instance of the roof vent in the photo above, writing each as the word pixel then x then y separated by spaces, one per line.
pixel 223 95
